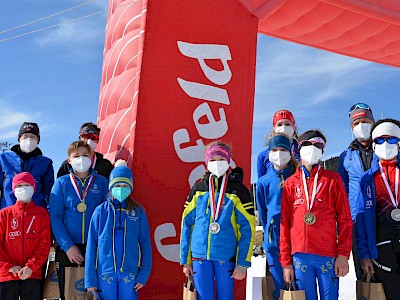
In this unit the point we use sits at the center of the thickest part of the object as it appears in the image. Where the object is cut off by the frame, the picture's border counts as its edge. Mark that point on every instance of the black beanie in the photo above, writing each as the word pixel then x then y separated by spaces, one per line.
pixel 29 127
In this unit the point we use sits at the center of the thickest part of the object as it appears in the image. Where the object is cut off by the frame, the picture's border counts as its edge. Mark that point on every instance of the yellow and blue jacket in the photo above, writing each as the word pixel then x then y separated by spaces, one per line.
pixel 234 242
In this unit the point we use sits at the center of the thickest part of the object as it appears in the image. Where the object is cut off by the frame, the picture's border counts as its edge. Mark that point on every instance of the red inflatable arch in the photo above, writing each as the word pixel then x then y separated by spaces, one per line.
pixel 177 74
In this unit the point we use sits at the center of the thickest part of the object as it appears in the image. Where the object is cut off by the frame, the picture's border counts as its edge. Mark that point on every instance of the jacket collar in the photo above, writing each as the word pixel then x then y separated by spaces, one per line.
pixel 17 150
pixel 20 205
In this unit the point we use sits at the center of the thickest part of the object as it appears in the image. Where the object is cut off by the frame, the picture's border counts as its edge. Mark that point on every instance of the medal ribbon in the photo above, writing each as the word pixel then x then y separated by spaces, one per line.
pixel 75 185
pixel 396 187
pixel 215 209
pixel 314 190
pixel 94 162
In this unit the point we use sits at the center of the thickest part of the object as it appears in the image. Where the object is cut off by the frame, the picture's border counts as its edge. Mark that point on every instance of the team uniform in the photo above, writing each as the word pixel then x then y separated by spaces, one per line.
pixel 25 241
pixel 269 199
pixel 118 253
pixel 378 224
pixel 215 246
pixel 70 218
pixel 315 231
pixel 39 166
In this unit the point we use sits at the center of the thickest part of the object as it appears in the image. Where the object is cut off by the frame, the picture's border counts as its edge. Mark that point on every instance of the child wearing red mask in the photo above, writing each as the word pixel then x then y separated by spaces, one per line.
pixel 24 242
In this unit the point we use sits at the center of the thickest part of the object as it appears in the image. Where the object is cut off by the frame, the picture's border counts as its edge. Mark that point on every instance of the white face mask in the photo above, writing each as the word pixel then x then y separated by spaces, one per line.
pixel 81 164
pixel 27 145
pixel 386 151
pixel 310 154
pixel 279 158
pixel 92 144
pixel 288 130
pixel 362 131
pixel 218 167
pixel 24 193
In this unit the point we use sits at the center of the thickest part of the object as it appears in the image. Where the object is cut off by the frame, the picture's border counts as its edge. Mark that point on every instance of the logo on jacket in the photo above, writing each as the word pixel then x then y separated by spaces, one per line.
pixel 79 285
pixel 14 223
pixel 14 234
pixel 298 190
pixel 95 189
pixel 132 216
pixel 369 192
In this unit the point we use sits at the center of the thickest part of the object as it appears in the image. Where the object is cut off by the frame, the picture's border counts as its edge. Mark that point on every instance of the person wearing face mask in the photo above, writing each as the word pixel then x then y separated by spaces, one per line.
pixel 90 134
pixel 283 122
pixel 72 202
pixel 25 242
pixel 218 227
pixel 26 157
pixel 354 161
pixel 118 254
pixel 269 198
pixel 378 214
pixel 316 225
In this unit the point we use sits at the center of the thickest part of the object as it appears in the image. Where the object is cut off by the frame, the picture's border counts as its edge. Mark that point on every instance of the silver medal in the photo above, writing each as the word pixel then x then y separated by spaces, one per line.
pixel 214 228
pixel 395 214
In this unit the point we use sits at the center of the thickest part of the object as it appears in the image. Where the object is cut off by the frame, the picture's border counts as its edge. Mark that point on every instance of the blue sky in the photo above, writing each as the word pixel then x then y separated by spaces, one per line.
pixel 52 77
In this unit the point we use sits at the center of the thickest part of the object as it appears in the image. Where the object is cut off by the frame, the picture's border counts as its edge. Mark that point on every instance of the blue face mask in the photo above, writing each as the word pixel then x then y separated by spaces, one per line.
pixel 121 193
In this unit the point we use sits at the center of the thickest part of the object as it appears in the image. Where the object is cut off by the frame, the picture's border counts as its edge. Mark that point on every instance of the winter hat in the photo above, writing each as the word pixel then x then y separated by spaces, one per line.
pixel 23 177
pixel 361 112
pixel 281 115
pixel 386 128
pixel 29 127
pixel 121 174
pixel 89 128
pixel 279 141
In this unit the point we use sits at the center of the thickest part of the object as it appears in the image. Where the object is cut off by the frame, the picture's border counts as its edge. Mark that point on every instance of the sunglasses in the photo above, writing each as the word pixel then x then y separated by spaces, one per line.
pixel 93 137
pixel 312 143
pixel 359 105
pixel 390 139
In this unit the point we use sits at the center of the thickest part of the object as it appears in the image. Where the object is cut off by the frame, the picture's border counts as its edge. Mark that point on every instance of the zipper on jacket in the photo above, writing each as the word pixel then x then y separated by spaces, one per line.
pixel 209 234
pixel 23 233
pixel 113 243
pixel 270 231
pixel 123 256
pixel 30 224
pixel 83 182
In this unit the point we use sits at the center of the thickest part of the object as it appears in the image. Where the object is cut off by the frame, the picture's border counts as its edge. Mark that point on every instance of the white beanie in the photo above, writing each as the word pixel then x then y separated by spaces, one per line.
pixel 386 128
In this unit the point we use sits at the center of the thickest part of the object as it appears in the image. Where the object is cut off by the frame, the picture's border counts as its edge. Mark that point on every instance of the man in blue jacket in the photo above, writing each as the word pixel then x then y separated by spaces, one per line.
pixel 354 161
pixel 26 157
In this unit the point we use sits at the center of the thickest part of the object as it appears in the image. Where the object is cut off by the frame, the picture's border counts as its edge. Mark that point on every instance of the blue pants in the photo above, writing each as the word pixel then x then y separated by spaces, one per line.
pixel 310 267
pixel 276 270
pixel 204 273
pixel 117 286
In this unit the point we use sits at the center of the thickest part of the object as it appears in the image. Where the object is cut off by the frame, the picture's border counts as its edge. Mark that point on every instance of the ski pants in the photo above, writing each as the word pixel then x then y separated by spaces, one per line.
pixel 276 271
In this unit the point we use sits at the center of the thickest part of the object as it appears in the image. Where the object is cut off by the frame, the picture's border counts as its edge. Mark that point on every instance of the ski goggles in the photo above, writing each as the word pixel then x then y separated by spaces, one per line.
pixel 88 136
pixel 390 139
pixel 359 105
pixel 318 144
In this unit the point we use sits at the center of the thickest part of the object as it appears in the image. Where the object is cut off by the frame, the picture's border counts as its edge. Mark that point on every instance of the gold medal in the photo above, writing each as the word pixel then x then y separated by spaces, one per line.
pixel 310 218
pixel 81 207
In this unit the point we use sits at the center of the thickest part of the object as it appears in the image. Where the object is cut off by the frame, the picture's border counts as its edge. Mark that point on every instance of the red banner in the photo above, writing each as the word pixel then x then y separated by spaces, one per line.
pixel 185 78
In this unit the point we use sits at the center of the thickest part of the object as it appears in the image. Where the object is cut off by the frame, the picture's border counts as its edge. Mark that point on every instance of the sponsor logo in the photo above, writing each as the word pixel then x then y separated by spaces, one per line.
pixel 14 223
pixel 79 285
pixel 369 192
pixel 359 114
pixel 54 277
pixel 14 234
pixel 95 186
pixel 298 190
pixel 298 202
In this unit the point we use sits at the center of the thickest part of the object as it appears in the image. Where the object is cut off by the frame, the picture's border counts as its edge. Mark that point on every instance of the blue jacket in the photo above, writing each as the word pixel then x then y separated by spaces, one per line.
pixel 39 166
pixel 269 199
pixel 263 163
pixel 366 213
pixel 350 168
pixel 100 251
pixel 234 241
pixel 70 226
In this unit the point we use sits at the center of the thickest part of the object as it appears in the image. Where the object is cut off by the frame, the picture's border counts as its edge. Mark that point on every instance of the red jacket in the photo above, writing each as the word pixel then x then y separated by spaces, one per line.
pixel 24 239
pixel 331 208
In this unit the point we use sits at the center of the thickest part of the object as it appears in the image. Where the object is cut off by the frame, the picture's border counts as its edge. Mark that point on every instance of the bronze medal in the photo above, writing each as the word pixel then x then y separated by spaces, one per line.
pixel 310 218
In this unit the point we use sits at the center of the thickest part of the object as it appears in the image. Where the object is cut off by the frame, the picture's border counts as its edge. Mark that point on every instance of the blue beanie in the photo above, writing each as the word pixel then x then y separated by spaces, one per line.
pixel 121 174
pixel 279 141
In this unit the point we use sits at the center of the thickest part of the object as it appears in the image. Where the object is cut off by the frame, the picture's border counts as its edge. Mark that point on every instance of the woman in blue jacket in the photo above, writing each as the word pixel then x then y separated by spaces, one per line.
pixel 118 254
pixel 269 199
